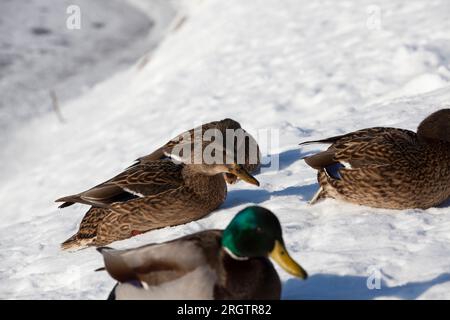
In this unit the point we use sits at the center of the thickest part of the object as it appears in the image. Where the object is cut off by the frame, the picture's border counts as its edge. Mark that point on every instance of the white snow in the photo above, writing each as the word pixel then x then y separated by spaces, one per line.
pixel 309 69
pixel 39 54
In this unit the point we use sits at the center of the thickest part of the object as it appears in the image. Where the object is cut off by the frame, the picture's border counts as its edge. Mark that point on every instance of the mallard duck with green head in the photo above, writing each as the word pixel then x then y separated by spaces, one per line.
pixel 387 167
pixel 212 264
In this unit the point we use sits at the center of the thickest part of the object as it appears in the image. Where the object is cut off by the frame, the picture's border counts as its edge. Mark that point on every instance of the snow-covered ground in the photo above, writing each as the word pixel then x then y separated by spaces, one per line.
pixel 306 69
pixel 40 53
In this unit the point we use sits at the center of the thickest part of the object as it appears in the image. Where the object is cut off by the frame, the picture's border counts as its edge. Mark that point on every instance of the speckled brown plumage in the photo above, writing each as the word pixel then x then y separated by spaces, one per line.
pixel 145 197
pixel 222 125
pixel 156 192
pixel 388 167
pixel 253 278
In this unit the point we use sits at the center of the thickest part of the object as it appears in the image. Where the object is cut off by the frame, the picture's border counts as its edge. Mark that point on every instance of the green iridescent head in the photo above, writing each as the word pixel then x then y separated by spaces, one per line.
pixel 256 232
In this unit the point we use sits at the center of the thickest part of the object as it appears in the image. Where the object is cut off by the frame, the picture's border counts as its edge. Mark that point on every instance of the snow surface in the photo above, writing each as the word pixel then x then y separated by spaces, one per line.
pixel 306 69
pixel 39 54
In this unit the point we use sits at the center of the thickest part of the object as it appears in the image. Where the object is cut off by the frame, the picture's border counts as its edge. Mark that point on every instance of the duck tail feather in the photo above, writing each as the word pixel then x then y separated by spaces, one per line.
pixel 66 204
pixel 68 201
pixel 75 243
pixel 320 160
pixel 322 141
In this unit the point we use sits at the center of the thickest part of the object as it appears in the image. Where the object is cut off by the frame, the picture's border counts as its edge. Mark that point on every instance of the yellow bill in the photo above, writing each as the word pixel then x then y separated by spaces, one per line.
pixel 281 256
pixel 243 174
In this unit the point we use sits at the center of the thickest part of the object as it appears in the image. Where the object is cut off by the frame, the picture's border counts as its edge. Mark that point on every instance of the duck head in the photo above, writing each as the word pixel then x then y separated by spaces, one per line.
pixel 256 232
pixel 436 126
pixel 233 169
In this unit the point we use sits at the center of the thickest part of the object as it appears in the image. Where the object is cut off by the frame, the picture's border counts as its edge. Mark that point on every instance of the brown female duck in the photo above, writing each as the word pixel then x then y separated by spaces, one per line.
pixel 244 144
pixel 387 167
pixel 148 196
pixel 155 193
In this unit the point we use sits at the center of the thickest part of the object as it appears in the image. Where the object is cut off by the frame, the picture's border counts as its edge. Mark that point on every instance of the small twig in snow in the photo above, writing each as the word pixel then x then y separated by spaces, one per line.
pixel 56 108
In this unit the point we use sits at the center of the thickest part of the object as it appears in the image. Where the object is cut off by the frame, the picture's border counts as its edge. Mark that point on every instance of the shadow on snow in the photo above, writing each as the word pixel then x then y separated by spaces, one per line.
pixel 286 158
pixel 331 286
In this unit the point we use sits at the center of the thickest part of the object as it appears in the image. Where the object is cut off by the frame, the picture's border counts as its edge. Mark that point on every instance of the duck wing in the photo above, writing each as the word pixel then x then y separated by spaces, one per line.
pixel 187 138
pixel 137 181
pixel 181 268
pixel 372 147
pixel 196 136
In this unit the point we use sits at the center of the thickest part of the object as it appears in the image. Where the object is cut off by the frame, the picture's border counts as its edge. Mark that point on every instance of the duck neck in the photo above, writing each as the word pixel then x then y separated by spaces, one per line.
pixel 200 169
pixel 205 184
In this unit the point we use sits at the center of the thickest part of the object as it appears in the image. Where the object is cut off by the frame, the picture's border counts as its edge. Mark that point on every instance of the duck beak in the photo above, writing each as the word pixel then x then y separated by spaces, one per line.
pixel 243 174
pixel 280 255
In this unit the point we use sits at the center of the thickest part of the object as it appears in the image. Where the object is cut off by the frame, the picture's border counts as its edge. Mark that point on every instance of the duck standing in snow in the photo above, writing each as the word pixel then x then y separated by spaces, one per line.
pixel 151 194
pixel 387 167
pixel 211 264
